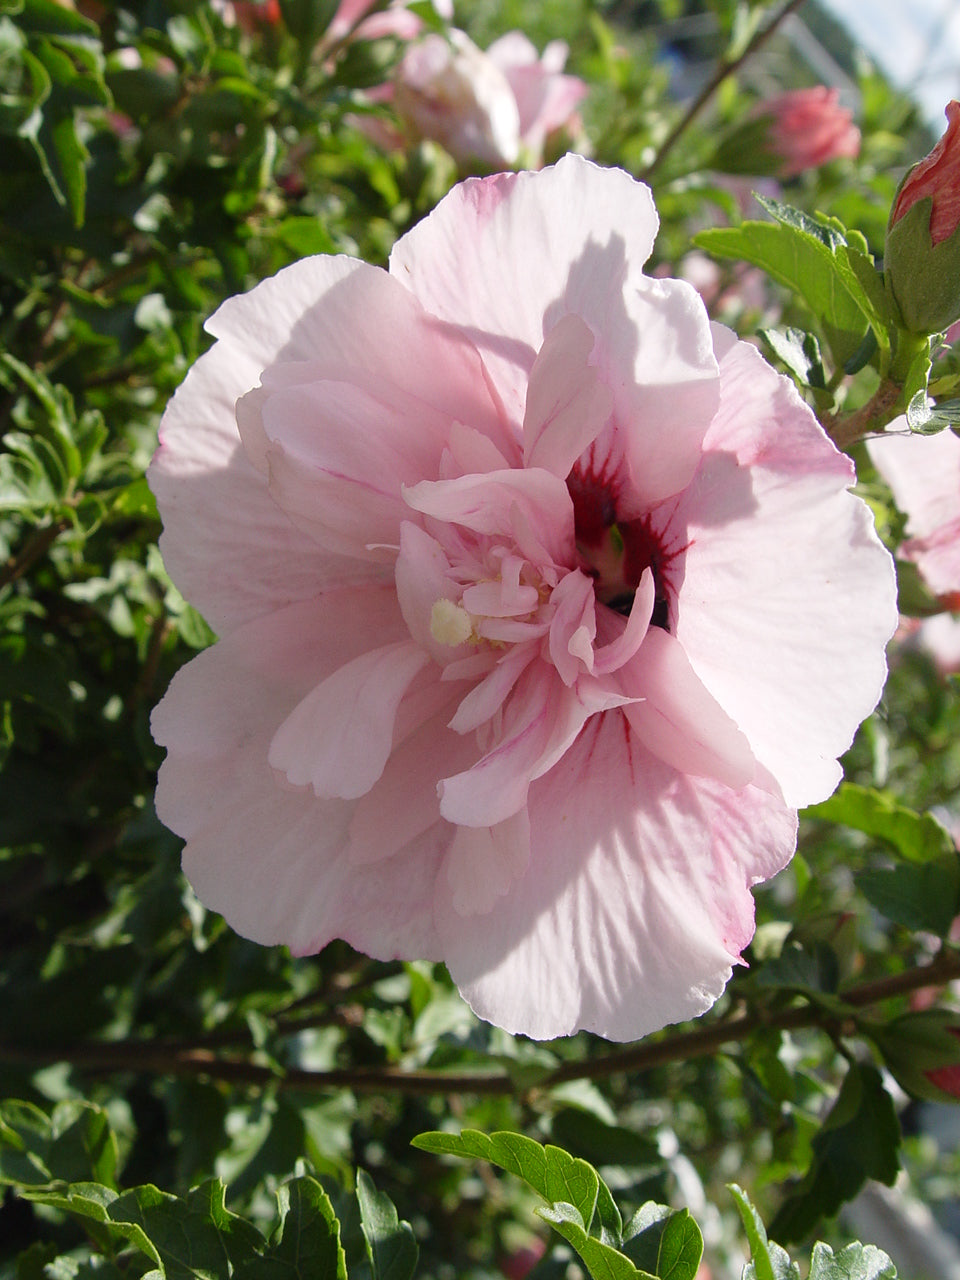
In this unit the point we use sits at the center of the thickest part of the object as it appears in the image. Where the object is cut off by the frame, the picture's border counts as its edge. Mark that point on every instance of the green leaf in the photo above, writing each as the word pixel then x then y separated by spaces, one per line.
pixel 925 896
pixel 855 1262
pixel 552 1172
pixel 681 1248
pixel 929 419
pixel 306 1244
pixel 796 967
pixel 858 1140
pixel 72 157
pixel 191 1237
pixel 800 352
pixel 601 1260
pixel 391 1244
pixel 916 836
pixel 816 260
pixel 47 17
pixel 663 1241
pixel 76 1143
pixel 768 1260
pixel 307 20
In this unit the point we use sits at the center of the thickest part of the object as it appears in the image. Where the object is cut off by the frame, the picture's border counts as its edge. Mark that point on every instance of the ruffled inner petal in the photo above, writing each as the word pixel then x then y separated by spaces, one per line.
pixel 490 504
pixel 567 404
pixel 339 737
pixel 483 862
pixel 677 719
pixel 541 721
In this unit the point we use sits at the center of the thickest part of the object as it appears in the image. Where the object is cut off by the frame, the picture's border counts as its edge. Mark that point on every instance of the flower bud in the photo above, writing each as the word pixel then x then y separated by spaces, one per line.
pixel 922 1051
pixel 922 255
pixel 783 136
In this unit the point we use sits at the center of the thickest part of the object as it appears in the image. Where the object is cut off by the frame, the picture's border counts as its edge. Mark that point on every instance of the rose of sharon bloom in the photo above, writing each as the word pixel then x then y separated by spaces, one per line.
pixel 923 473
pixel 448 90
pixel 353 20
pixel 547 100
pixel 542 607
pixel 808 127
pixel 496 108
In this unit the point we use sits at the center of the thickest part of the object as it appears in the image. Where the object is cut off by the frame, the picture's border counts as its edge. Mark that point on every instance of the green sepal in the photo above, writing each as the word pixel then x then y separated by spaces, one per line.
pixel 923 278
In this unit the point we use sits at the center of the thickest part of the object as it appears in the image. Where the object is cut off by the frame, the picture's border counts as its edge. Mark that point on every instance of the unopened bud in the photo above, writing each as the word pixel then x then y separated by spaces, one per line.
pixel 922 254
pixel 922 1052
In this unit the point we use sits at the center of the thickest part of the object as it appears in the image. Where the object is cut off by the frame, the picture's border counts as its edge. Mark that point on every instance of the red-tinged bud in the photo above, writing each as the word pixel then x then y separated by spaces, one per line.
pixel 922 255
pixel 517 1264
pixel 922 1052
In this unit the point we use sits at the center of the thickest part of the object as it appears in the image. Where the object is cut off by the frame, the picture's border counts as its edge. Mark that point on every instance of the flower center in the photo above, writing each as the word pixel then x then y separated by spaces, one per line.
pixel 615 552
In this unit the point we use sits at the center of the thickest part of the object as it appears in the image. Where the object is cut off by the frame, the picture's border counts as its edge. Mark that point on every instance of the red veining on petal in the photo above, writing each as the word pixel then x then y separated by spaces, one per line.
pixel 594 495
pixel 616 551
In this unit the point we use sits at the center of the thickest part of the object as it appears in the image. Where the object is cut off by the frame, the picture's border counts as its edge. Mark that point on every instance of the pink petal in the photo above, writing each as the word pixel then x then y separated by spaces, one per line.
pixel 659 359
pixel 635 903
pixel 567 404
pixel 678 720
pixel 274 860
pixel 487 696
pixel 574 626
pixel 348 321
pixel 338 738
pixel 787 596
pixel 613 655
pixel 338 455
pixel 231 550
pixel 483 862
pixel 402 806
pixel 567 232
pixel 543 719
pixel 490 504
pixel 923 473
pixel 422 578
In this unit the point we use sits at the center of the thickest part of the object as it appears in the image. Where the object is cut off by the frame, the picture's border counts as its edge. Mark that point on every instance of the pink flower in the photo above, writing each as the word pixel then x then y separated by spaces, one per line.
pixel 494 108
pixel 542 607
pixel 809 127
pixel 353 20
pixel 937 176
pixel 448 90
pixel 547 100
pixel 923 473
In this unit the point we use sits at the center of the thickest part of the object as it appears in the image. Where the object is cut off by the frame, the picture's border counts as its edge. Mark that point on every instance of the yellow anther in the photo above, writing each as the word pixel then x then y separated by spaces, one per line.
pixel 450 623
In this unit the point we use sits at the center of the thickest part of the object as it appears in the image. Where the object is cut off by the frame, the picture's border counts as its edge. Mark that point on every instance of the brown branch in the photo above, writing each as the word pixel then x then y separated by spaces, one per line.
pixel 35 547
pixel 724 69
pixel 173 1058
pixel 846 429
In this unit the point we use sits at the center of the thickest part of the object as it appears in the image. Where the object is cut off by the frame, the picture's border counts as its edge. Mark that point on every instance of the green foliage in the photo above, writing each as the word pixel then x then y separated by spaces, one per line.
pixel 391 1244
pixel 858 1140
pixel 918 837
pixel 822 262
pixel 657 1241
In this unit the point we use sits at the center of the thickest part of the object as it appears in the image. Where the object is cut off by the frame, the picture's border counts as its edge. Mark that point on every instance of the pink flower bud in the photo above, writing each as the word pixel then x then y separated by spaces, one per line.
pixel 922 1052
pixel 808 128
pixel 922 253
pixel 937 176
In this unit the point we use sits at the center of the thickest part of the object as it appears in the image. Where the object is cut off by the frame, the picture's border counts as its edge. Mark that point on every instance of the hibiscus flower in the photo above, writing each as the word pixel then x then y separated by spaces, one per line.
pixel 542 607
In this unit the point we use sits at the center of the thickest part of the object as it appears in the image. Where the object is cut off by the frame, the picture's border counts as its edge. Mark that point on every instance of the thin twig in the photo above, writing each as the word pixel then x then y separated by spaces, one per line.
pixel 181 1059
pixel 724 69
pixel 35 547
pixel 846 429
